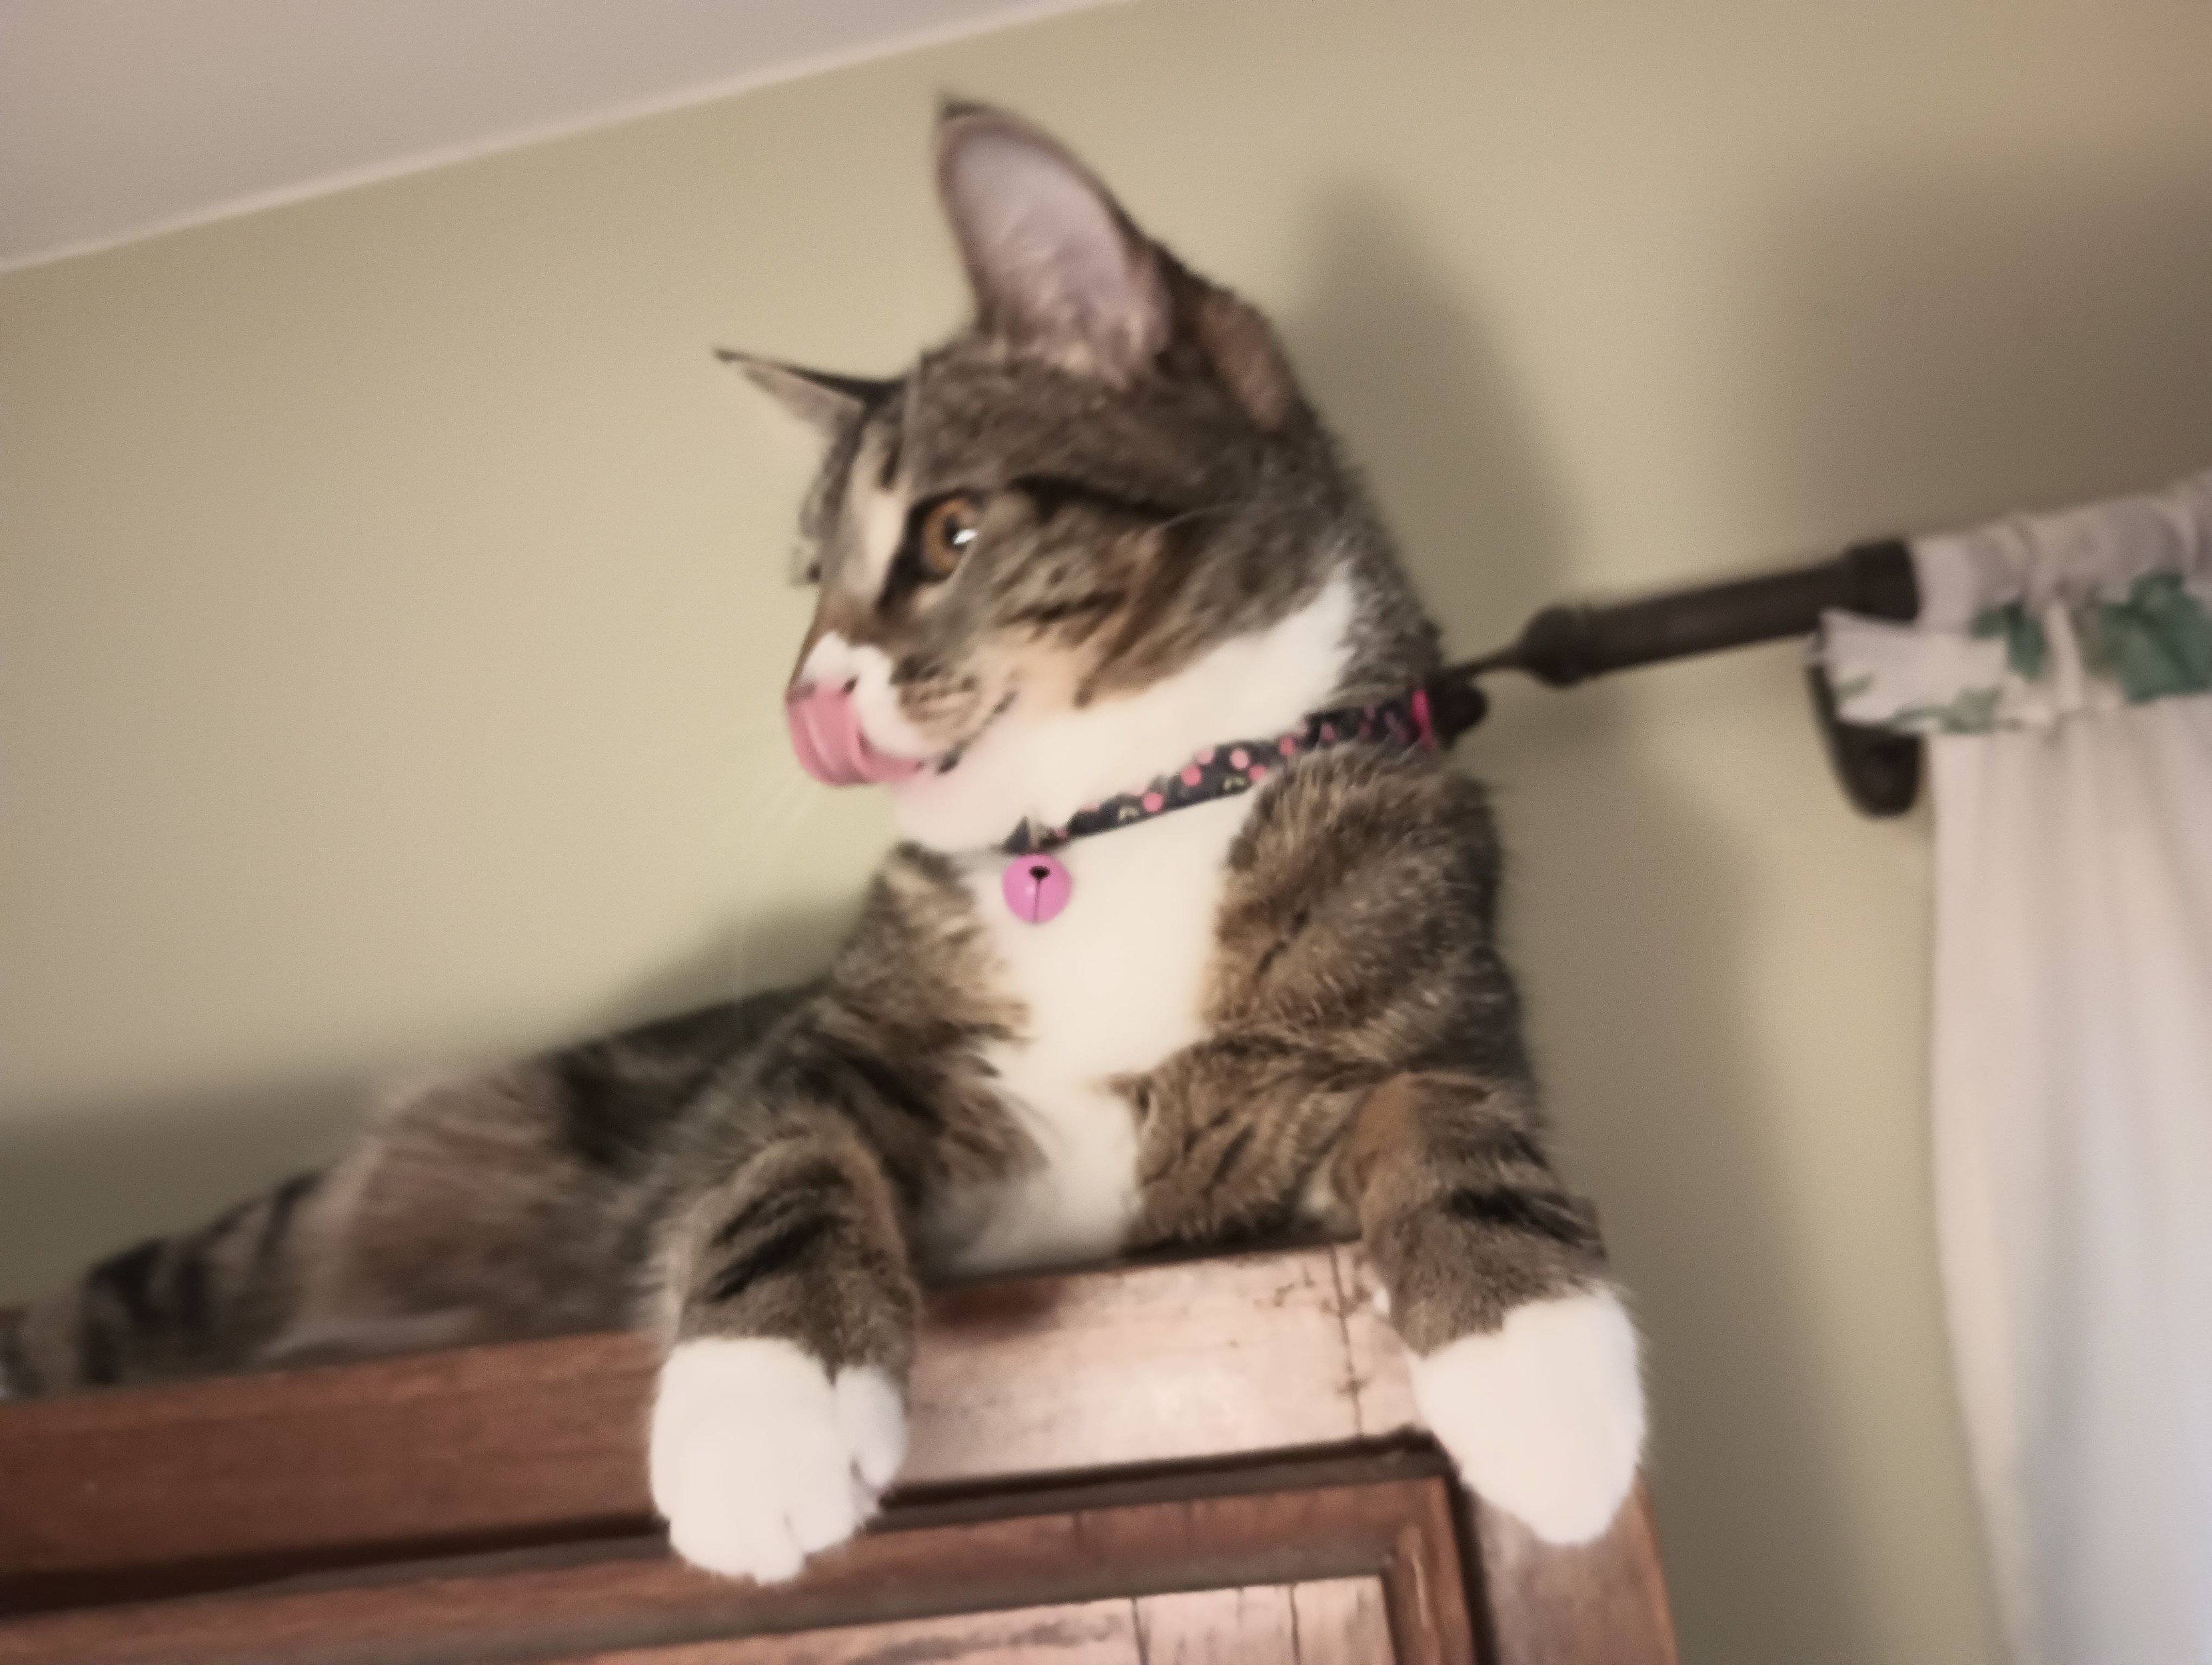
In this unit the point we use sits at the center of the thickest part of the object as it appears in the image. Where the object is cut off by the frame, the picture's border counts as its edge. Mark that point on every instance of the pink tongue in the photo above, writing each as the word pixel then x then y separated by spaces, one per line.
pixel 825 732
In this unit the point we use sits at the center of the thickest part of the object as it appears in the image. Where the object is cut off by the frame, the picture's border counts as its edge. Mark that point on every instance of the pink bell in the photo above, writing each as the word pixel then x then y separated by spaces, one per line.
pixel 1036 887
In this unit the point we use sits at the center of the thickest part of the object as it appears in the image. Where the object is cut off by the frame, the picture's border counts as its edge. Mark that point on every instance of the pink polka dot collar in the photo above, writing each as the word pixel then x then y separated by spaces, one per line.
pixel 1037 886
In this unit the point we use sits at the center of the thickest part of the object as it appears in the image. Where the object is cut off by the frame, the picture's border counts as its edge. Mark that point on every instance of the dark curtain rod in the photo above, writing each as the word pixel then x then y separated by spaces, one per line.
pixel 1565 645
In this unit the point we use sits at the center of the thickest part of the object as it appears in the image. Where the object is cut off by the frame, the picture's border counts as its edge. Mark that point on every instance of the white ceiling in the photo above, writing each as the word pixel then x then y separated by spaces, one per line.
pixel 120 119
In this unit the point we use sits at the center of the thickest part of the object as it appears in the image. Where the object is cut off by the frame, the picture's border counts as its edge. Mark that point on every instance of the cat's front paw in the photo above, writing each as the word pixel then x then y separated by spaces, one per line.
pixel 1543 1416
pixel 759 1458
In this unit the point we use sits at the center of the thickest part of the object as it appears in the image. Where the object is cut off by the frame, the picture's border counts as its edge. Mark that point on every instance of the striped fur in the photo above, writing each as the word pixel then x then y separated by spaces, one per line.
pixel 1278 1012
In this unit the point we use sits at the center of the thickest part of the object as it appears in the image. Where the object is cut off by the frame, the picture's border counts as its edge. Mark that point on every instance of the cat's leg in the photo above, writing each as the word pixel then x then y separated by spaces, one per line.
pixel 790 1307
pixel 477 1207
pixel 458 1215
pixel 197 1303
pixel 311 1270
pixel 1525 1361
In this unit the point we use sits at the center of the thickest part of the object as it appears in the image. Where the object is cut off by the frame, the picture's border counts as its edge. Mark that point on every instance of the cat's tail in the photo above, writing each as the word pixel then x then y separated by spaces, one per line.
pixel 199 1303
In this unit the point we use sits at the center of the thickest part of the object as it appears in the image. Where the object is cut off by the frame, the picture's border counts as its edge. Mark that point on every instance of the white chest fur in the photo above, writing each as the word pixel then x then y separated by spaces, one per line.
pixel 1112 985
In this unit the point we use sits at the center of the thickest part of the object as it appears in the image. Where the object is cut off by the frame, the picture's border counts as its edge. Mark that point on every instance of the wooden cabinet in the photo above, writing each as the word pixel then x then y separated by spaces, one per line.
pixel 1209 1461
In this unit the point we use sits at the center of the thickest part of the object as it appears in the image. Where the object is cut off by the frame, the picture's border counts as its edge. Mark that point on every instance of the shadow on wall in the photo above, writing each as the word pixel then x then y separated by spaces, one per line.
pixel 1628 931
pixel 1422 401
pixel 79 1181
pixel 1937 351
pixel 1926 352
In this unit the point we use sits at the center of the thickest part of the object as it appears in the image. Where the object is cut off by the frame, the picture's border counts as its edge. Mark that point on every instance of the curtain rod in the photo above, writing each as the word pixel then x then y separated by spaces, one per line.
pixel 1567 644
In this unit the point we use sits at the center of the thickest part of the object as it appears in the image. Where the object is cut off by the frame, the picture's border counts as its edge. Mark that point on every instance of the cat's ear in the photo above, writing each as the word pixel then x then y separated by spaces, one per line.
pixel 823 401
pixel 1057 267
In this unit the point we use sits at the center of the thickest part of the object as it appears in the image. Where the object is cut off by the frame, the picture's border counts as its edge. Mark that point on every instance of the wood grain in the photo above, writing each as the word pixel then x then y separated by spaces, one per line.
pixel 1381 1387
pixel 1337 1621
pixel 574 1602
pixel 1341 1621
pixel 1606 1600
pixel 523 1460
pixel 1425 1585
pixel 1244 1626
pixel 1199 1358
pixel 203 1484
pixel 540 1441
pixel 1085 1633
pixel 1330 1621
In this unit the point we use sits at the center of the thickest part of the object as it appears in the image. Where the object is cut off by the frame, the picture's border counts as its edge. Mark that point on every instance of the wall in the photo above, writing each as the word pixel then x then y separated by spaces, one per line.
pixel 393 615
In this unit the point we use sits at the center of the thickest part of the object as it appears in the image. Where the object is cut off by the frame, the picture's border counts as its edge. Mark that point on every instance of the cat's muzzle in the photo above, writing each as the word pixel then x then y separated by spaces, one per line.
pixel 826 733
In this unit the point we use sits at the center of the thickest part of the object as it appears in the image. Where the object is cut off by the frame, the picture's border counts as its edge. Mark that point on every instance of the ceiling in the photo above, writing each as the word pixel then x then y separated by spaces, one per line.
pixel 121 119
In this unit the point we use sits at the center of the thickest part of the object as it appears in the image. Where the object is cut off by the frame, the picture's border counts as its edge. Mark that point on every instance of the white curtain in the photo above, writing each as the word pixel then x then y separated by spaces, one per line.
pixel 2062 670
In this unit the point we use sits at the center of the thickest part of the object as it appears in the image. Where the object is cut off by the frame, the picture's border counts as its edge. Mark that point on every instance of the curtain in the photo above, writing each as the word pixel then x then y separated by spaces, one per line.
pixel 2062 672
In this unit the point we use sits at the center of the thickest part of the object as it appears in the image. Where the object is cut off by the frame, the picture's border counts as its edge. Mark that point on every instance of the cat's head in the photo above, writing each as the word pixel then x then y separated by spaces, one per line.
pixel 1099 529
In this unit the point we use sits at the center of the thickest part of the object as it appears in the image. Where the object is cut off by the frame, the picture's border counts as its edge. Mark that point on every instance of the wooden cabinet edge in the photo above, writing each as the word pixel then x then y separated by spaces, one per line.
pixel 533 1606
pixel 539 1443
pixel 1149 1364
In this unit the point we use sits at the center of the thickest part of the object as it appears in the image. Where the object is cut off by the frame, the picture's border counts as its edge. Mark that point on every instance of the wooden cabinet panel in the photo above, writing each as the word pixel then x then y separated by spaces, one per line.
pixel 1334 1621
pixel 1085 1633
pixel 481 1447
pixel 1337 1621
pixel 1605 1601
pixel 1388 1521
pixel 1207 1460
pixel 1218 1626
pixel 1341 1621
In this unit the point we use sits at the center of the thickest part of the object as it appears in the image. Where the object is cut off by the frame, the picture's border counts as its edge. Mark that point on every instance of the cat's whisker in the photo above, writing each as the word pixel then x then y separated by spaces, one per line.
pixel 1267 984
pixel 769 805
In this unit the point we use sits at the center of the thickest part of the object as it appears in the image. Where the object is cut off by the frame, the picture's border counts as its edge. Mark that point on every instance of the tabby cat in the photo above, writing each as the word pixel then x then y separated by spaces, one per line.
pixel 1097 587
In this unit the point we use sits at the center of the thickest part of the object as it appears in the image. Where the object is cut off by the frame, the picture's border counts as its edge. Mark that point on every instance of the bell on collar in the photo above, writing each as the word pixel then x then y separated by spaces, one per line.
pixel 1036 887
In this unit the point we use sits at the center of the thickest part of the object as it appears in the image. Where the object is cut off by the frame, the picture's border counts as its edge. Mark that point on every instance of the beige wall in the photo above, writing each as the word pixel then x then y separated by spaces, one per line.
pixel 391 613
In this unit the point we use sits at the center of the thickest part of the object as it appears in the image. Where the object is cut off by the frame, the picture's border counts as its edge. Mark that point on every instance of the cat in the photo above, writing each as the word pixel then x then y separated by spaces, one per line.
pixel 1095 553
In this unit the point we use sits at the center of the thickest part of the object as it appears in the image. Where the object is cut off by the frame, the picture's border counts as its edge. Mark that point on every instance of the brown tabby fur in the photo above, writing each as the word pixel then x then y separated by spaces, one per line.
pixel 776 1167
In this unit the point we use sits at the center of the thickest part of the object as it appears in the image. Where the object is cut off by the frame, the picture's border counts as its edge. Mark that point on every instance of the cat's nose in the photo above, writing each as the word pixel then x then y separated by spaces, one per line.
pixel 826 733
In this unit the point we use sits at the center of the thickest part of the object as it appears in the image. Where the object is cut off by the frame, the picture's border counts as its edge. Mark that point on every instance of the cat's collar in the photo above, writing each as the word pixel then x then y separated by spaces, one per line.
pixel 1429 718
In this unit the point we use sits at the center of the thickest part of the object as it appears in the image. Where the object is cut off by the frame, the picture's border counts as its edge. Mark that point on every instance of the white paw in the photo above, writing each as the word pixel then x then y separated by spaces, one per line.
pixel 1545 1414
pixel 758 1459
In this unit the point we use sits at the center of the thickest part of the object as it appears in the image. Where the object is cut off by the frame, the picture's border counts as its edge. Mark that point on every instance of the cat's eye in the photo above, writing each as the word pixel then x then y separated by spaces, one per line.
pixel 946 532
